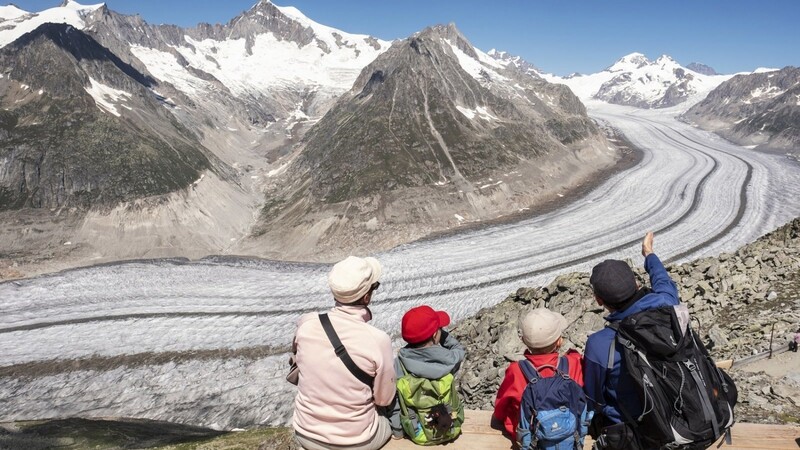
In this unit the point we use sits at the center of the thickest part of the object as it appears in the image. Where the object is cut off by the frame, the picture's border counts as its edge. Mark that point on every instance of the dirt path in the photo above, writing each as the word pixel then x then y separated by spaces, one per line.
pixel 778 366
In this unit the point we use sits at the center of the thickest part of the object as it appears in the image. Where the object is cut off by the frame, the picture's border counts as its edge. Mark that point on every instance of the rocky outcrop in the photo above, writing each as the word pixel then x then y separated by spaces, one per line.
pixel 760 109
pixel 735 299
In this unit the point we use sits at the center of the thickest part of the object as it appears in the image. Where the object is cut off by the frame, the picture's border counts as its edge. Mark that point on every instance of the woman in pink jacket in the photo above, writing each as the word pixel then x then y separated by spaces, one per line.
pixel 339 392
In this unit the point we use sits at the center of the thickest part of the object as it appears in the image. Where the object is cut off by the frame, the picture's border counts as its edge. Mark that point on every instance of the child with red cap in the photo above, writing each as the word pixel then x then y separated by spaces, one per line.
pixel 431 352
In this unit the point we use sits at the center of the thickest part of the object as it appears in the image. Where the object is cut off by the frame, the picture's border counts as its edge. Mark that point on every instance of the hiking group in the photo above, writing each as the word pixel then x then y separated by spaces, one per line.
pixel 645 381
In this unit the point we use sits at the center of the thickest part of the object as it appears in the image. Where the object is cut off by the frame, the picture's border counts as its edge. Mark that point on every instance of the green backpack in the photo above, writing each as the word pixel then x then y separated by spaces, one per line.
pixel 430 411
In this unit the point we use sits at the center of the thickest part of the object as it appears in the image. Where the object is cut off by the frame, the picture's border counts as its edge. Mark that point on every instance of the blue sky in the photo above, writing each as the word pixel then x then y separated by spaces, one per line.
pixel 559 36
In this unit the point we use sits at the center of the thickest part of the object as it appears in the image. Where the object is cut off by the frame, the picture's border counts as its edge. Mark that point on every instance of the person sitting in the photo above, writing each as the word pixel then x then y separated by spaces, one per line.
pixel 541 331
pixel 339 389
pixel 611 391
pixel 427 414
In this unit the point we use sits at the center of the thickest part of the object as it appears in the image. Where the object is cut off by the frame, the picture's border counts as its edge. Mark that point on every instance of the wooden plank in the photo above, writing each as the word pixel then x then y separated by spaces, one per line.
pixel 726 364
pixel 478 434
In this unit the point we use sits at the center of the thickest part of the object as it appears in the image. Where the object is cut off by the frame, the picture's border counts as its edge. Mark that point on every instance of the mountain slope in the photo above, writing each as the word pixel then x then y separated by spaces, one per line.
pixel 80 127
pixel 432 134
pixel 756 109
pixel 241 94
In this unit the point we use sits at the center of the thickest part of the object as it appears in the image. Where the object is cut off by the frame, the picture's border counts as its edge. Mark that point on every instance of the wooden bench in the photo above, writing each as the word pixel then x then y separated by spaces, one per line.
pixel 479 435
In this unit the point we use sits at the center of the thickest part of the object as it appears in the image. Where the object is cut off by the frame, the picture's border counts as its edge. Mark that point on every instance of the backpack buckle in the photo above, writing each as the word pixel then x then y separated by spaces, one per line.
pixel 690 365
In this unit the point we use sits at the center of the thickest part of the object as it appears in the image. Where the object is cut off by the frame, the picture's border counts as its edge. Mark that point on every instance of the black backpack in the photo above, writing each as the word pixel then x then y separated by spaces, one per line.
pixel 687 402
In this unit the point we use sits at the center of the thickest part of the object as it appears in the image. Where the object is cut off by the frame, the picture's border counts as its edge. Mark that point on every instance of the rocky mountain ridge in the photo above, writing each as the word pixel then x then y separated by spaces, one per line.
pixel 735 300
pixel 759 109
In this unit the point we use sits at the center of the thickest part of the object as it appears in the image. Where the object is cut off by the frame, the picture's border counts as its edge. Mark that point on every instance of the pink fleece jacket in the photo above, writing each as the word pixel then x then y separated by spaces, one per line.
pixel 332 406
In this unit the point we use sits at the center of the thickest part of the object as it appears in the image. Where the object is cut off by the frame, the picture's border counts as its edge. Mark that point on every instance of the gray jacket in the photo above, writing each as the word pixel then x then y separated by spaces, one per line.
pixel 432 362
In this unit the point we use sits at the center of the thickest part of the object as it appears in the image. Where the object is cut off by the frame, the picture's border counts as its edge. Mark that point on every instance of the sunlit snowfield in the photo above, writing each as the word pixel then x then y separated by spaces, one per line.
pixel 205 342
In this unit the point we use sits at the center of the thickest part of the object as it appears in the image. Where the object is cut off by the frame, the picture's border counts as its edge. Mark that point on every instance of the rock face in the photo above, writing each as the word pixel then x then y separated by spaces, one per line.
pixel 759 109
pixel 735 300
pixel 89 132
pixel 433 132
pixel 701 69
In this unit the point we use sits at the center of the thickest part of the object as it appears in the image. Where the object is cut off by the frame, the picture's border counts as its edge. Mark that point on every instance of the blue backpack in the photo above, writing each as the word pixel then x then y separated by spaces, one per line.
pixel 553 413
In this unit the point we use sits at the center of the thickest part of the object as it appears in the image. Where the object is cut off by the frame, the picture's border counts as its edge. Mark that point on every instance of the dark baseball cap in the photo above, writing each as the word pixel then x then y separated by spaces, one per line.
pixel 613 281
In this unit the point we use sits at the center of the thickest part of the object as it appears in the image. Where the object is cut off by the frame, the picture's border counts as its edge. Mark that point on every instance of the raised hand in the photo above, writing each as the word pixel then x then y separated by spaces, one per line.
pixel 647 244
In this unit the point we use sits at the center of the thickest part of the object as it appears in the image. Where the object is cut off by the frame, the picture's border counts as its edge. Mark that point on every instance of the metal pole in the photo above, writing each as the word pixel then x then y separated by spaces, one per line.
pixel 771 333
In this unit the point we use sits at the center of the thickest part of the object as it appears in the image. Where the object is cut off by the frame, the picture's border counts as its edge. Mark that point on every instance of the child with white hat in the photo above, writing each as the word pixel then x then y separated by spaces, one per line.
pixel 541 331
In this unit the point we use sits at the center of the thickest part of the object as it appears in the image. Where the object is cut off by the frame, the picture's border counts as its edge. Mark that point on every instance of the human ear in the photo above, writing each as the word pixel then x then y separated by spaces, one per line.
pixel 598 300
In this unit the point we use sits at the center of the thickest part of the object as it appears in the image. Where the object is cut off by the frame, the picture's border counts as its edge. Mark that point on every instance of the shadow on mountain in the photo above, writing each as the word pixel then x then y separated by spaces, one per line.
pixel 81 46
pixel 84 433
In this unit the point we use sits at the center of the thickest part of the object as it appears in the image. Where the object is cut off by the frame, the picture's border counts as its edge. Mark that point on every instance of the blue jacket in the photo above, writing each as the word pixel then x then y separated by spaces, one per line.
pixel 607 389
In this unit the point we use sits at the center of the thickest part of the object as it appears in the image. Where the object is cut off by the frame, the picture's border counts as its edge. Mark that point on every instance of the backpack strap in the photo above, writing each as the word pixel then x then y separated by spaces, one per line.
pixel 528 370
pixel 611 348
pixel 614 326
pixel 563 366
pixel 341 352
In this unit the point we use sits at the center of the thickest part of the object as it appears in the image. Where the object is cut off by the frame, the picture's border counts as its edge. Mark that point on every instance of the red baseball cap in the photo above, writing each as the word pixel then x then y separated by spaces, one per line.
pixel 420 323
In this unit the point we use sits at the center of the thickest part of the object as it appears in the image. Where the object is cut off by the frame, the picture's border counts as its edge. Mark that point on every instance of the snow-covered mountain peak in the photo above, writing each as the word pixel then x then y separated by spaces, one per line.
pixel 629 62
pixel 70 13
pixel 518 62
pixel 636 81
pixel 665 59
pixel 81 8
pixel 11 11
pixel 331 36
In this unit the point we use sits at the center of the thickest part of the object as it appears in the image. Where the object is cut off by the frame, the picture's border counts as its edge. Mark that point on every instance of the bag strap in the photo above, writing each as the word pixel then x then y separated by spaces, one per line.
pixel 341 352
pixel 563 365
pixel 530 372
pixel 611 357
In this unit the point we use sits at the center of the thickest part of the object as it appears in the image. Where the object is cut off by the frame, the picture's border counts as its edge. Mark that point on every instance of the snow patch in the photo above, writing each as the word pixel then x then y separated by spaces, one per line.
pixel 474 67
pixel 481 112
pixel 766 91
pixel 764 70
pixel 491 184
pixel 105 96
pixel 277 171
pixel 165 66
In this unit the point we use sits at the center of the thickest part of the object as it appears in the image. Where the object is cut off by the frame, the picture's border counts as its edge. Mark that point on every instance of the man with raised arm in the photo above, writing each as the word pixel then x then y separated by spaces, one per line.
pixel 607 385
pixel 346 366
